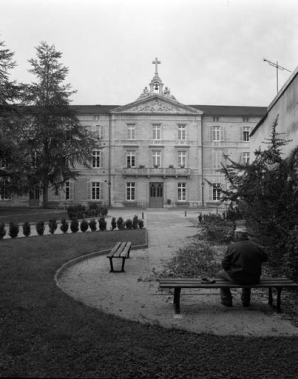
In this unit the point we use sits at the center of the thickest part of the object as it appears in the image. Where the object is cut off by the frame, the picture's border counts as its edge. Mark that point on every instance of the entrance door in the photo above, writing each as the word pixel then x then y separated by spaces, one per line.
pixel 34 197
pixel 156 195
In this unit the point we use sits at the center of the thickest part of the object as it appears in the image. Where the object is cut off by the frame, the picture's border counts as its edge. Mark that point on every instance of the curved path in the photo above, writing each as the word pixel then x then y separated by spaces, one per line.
pixel 134 294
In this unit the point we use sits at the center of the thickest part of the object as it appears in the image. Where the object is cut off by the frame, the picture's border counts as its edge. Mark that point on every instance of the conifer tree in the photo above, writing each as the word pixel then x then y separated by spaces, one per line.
pixel 56 139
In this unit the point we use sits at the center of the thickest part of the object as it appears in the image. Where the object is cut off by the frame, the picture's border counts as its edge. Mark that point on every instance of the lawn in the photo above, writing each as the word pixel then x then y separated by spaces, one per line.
pixel 21 215
pixel 45 333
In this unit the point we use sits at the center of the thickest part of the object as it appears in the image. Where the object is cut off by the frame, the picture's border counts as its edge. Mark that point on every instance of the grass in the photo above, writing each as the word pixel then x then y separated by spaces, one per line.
pixel 46 333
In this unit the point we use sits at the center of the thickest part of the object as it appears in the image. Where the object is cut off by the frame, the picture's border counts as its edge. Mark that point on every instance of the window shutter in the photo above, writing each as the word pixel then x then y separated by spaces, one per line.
pixel 210 192
pixel 103 158
pixel 101 191
pixel 71 191
pixel 88 190
pixel 241 133
pixel 222 133
pixel 211 133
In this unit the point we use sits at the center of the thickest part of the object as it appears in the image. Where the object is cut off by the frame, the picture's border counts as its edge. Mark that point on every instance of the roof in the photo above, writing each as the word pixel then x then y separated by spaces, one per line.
pixel 212 110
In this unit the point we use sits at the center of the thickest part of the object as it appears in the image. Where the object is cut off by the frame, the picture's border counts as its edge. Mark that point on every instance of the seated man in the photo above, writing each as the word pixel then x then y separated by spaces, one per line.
pixel 242 264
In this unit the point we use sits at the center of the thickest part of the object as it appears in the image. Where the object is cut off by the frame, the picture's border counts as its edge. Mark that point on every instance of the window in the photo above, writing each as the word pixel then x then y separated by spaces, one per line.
pixel 96 191
pixel 216 133
pixel 130 191
pixel 96 159
pixel 181 158
pixel 216 191
pixel 245 158
pixel 97 129
pixel 156 158
pixel 67 190
pixel 156 131
pixel 131 158
pixel 181 132
pixel 245 133
pixel 181 191
pixel 131 131
pixel 4 194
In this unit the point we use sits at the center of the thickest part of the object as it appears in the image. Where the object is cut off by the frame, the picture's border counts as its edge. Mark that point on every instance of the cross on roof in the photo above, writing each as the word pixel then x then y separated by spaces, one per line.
pixel 156 62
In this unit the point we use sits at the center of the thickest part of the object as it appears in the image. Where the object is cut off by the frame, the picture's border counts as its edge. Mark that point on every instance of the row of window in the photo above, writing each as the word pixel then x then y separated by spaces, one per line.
pixel 217 132
pixel 156 158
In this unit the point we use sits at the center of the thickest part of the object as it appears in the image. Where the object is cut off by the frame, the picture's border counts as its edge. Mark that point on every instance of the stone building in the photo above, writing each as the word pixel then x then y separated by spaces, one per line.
pixel 157 152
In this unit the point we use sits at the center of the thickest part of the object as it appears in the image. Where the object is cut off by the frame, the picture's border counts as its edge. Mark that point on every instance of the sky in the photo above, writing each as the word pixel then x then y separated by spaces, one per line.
pixel 211 51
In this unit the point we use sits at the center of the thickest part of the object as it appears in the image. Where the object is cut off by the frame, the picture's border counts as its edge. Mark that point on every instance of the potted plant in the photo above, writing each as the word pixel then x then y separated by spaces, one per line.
pixel 64 225
pixel 84 226
pixel 40 228
pixel 93 225
pixel 26 229
pixel 52 226
pixel 2 230
pixel 13 229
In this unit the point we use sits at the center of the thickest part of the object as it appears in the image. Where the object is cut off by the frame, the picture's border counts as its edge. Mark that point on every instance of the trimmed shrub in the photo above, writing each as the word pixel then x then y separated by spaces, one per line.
pixel 93 225
pixel 102 224
pixel 141 224
pixel 135 222
pixel 128 224
pixel 84 226
pixel 13 229
pixel 2 230
pixel 26 229
pixel 120 223
pixel 52 226
pixel 74 225
pixel 40 228
pixel 64 225
pixel 113 223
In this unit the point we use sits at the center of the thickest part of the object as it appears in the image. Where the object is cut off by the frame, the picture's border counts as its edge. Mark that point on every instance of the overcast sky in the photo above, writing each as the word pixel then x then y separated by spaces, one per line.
pixel 211 51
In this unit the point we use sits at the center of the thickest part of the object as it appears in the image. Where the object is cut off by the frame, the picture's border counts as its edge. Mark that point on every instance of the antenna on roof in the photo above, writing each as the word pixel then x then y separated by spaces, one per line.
pixel 278 67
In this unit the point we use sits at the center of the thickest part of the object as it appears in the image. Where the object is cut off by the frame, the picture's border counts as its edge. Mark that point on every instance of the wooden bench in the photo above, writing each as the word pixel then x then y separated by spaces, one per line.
pixel 120 250
pixel 178 283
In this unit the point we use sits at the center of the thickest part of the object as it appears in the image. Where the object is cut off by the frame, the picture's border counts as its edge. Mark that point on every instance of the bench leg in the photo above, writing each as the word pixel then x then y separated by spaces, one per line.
pixel 123 263
pixel 278 301
pixel 177 299
pixel 270 298
pixel 111 263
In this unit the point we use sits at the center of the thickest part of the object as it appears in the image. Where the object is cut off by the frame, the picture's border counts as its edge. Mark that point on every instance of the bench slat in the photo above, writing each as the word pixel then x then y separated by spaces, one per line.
pixel 119 250
pixel 111 253
pixel 126 250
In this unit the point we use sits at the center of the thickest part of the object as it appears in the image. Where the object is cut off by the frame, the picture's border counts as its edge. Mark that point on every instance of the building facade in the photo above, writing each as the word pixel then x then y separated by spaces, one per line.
pixel 157 152
pixel 284 107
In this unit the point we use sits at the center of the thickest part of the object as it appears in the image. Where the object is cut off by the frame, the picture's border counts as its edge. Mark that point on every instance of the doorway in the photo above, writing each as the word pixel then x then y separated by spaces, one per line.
pixel 34 197
pixel 156 195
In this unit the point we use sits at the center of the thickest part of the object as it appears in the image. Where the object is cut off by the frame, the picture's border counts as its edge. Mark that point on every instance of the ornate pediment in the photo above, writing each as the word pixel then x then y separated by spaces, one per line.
pixel 157 104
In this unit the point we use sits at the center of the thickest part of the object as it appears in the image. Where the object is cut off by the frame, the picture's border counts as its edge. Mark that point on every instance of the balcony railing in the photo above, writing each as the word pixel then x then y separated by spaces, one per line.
pixel 163 172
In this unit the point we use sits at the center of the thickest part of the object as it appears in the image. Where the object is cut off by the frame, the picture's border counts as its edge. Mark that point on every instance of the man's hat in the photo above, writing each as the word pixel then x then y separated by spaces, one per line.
pixel 241 229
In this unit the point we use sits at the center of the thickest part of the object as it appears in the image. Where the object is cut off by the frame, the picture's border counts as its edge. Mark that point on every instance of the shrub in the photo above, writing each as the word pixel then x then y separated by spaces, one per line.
pixel 74 225
pixel 64 225
pixel 40 228
pixel 76 211
pixel 113 223
pixel 93 225
pixel 52 226
pixel 26 229
pixel 102 224
pixel 141 224
pixel 128 224
pixel 2 230
pixel 135 222
pixel 84 226
pixel 13 229
pixel 120 223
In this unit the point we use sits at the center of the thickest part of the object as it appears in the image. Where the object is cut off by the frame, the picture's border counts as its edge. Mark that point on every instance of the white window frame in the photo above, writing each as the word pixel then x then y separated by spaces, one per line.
pixel 245 134
pixel 96 158
pixel 96 190
pixel 246 157
pixel 181 158
pixel 131 131
pixel 216 191
pixel 181 132
pixel 156 158
pixel 131 158
pixel 216 133
pixel 181 187
pixel 156 132
pixel 130 191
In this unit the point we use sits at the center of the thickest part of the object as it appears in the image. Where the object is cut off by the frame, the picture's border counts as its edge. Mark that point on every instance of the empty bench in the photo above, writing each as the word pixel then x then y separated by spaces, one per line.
pixel 178 283
pixel 120 250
